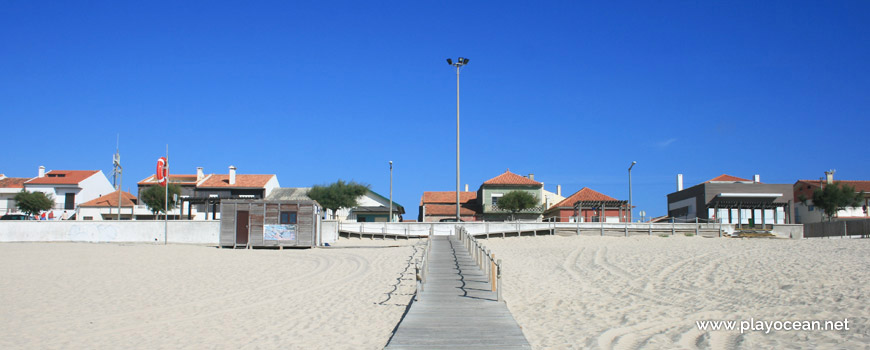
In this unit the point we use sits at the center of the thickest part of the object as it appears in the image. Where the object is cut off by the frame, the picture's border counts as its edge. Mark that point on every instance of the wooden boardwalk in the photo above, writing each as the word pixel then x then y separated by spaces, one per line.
pixel 458 309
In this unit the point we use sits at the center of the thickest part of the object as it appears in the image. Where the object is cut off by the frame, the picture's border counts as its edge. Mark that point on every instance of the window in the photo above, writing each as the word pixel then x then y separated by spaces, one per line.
pixel 495 198
pixel 811 207
pixel 70 201
pixel 288 217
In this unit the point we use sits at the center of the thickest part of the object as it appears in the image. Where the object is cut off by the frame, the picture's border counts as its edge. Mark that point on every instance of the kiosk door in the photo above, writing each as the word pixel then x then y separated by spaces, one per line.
pixel 242 227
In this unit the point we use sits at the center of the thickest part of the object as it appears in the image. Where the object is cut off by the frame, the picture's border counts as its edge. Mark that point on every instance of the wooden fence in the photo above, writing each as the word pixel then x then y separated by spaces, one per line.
pixel 837 229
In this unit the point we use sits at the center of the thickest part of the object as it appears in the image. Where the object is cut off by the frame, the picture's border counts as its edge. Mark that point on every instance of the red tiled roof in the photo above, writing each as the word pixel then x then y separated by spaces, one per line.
pixel 447 209
pixel 727 178
pixel 585 194
pixel 111 200
pixel 858 185
pixel 242 181
pixel 173 178
pixel 447 197
pixel 509 178
pixel 13 182
pixel 62 177
pixel 806 187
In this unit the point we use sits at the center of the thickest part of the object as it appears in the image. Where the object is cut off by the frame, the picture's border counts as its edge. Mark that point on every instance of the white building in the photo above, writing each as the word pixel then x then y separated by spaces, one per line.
pixel 371 207
pixel 806 212
pixel 9 187
pixel 106 208
pixel 70 188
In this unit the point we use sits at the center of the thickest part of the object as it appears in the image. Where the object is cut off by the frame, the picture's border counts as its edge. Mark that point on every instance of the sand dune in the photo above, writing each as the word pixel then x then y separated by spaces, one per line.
pixel 647 292
pixel 110 296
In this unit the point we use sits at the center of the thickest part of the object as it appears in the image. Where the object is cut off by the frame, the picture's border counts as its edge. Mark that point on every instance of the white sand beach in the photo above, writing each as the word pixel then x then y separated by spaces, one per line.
pixel 647 292
pixel 566 293
pixel 142 296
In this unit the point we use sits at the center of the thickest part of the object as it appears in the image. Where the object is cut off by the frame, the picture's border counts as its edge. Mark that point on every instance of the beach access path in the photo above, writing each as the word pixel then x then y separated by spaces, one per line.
pixel 457 309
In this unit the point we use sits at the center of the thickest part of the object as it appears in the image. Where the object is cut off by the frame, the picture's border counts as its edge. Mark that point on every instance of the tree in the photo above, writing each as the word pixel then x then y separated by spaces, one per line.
pixel 835 197
pixel 153 198
pixel 517 201
pixel 32 203
pixel 338 195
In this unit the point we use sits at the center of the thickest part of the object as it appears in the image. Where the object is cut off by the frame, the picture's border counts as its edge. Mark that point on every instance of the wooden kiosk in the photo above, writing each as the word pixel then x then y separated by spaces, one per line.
pixel 265 223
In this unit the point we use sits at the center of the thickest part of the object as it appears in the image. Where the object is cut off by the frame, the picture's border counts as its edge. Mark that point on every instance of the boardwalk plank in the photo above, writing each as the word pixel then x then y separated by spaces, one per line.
pixel 458 309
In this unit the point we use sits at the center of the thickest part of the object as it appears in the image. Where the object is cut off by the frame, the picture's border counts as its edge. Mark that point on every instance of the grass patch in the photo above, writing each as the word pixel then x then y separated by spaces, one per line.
pixel 664 235
pixel 689 234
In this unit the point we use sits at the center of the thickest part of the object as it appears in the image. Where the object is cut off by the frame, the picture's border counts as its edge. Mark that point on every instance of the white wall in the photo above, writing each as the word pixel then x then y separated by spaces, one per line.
pixel 198 232
pixel 806 216
pixel 6 195
pixel 330 228
pixel 271 185
pixel 95 186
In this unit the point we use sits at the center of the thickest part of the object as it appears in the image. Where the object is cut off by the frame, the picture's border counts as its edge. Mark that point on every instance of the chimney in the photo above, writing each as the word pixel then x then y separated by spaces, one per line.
pixel 679 182
pixel 531 176
pixel 41 171
pixel 559 190
pixel 756 178
pixel 466 187
pixel 199 174
pixel 829 176
pixel 232 175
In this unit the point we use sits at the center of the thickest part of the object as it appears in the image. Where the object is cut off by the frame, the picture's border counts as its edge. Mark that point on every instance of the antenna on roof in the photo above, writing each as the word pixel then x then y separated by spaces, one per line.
pixel 116 172
pixel 116 162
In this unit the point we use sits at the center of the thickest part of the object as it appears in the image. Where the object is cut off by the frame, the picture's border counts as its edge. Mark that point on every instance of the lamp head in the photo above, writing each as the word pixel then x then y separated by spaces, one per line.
pixel 449 61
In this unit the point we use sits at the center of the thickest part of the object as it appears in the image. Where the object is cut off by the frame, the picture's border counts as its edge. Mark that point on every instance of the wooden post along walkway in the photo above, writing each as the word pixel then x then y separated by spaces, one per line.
pixel 457 309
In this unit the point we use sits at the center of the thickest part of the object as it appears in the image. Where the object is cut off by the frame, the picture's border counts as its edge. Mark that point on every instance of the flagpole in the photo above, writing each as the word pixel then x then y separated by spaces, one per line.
pixel 166 200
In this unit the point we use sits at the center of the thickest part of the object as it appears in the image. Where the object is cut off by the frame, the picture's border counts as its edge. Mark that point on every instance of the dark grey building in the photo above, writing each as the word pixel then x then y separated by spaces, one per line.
pixel 733 200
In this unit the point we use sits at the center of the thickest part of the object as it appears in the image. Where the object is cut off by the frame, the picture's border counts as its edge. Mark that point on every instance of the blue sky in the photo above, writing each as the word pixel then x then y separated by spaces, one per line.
pixel 319 91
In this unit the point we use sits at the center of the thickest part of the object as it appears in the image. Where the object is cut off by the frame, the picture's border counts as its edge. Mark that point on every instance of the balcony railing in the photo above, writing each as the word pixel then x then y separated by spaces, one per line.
pixel 489 208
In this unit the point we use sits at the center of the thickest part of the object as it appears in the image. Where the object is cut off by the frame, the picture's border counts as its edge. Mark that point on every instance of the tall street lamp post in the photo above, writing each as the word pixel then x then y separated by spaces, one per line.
pixel 391 192
pixel 458 64
pixel 630 207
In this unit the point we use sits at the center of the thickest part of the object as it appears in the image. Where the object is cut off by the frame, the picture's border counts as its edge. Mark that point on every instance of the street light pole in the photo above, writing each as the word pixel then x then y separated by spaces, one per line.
pixel 391 192
pixel 458 64
pixel 630 207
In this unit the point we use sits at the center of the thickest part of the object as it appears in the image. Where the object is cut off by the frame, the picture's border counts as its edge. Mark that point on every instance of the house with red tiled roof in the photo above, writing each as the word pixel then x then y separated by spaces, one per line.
pixel 70 188
pixel 9 187
pixel 805 212
pixel 493 189
pixel 201 194
pixel 732 200
pixel 593 206
pixel 483 204
pixel 439 205
pixel 106 207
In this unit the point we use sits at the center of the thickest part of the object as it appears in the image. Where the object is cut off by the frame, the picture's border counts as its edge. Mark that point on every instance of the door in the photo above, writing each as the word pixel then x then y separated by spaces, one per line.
pixel 242 227
pixel 70 201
